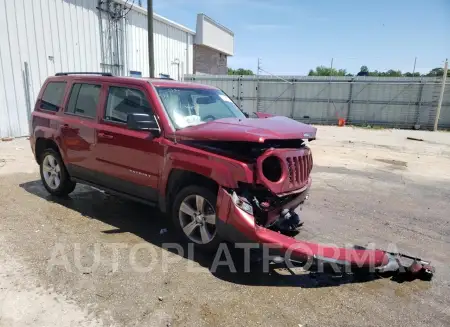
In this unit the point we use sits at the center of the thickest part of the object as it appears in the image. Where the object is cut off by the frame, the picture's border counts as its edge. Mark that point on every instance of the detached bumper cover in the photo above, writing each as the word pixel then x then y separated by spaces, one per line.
pixel 238 226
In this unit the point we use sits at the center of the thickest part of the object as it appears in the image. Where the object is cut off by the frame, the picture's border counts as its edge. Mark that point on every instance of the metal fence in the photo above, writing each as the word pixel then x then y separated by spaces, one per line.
pixel 379 101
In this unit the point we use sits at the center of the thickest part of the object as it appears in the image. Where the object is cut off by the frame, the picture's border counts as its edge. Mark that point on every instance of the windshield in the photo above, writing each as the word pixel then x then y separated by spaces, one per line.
pixel 189 107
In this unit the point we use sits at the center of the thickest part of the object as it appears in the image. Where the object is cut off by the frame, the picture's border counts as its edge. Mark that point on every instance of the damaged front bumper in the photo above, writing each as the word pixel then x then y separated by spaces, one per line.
pixel 236 225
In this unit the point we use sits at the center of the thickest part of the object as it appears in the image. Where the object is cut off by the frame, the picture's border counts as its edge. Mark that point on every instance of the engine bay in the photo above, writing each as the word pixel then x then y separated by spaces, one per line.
pixel 271 209
pixel 244 151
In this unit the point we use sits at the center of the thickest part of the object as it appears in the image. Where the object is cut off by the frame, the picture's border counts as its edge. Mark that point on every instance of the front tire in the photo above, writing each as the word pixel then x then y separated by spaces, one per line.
pixel 194 216
pixel 54 174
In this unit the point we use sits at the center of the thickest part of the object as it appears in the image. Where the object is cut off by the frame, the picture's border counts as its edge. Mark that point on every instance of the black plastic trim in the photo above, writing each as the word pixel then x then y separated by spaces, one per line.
pixel 114 185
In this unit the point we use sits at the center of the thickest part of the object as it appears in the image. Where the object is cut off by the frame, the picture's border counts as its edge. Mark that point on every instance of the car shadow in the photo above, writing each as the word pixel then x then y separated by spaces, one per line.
pixel 151 225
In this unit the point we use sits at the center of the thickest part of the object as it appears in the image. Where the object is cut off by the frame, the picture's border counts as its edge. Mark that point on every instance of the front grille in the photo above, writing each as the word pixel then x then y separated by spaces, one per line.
pixel 299 169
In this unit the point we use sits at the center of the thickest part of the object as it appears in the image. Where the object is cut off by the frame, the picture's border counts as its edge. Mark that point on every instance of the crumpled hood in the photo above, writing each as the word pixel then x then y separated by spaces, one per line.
pixel 249 129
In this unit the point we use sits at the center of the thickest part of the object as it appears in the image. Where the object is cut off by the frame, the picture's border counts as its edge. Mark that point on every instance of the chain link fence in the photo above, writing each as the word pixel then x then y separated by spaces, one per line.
pixel 397 102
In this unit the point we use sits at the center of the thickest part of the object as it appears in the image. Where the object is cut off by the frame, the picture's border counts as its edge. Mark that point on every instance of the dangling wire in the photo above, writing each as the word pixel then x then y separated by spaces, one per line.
pixel 126 13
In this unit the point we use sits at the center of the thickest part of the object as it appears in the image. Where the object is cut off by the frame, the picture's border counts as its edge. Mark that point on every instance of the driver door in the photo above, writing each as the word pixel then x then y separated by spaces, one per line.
pixel 130 160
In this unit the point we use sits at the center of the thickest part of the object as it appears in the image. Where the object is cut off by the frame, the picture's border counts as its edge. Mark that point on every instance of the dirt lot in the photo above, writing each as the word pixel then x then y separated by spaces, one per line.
pixel 369 186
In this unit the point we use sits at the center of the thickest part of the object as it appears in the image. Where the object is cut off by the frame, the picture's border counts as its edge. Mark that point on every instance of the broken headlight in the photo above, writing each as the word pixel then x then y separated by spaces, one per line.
pixel 242 203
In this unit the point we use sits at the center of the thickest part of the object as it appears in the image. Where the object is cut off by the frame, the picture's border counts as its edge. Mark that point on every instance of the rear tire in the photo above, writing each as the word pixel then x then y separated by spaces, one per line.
pixel 194 217
pixel 54 174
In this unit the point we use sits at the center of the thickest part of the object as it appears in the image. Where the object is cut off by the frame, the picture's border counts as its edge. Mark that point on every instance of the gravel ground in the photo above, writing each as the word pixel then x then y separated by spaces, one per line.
pixel 369 186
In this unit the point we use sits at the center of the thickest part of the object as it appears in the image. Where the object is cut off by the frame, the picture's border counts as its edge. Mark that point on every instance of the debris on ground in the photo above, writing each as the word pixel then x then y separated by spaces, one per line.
pixel 5 139
pixel 414 139
pixel 160 298
pixel 163 231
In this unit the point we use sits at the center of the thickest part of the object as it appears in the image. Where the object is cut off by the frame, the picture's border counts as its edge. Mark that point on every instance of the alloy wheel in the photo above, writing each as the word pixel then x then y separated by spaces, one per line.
pixel 198 219
pixel 51 172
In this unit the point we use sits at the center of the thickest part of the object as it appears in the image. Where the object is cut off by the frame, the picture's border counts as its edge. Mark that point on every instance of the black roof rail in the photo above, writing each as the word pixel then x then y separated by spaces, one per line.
pixel 83 73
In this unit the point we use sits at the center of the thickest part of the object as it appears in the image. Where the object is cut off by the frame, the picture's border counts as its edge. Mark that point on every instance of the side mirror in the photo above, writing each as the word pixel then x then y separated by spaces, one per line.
pixel 143 122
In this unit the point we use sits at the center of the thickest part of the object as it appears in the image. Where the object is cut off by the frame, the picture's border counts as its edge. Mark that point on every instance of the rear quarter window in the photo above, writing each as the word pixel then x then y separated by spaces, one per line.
pixel 53 96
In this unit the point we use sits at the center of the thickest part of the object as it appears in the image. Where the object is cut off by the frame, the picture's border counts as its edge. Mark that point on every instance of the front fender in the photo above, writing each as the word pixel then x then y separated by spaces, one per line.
pixel 226 172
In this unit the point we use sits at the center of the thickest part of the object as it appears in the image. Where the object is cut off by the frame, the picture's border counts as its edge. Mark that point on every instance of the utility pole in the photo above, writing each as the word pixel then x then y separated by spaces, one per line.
pixel 441 96
pixel 331 67
pixel 151 56
pixel 414 68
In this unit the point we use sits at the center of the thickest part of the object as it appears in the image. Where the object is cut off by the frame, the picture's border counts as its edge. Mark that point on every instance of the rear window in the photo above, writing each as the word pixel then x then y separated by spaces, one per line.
pixel 53 96
pixel 84 99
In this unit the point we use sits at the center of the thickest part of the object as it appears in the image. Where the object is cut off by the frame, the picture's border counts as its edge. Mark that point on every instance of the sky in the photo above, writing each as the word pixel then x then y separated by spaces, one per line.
pixel 293 36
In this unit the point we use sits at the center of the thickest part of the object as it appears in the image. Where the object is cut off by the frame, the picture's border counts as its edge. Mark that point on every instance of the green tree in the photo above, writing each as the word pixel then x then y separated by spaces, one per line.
pixel 435 72
pixel 327 71
pixel 408 74
pixel 364 69
pixel 240 71
pixel 389 73
pixel 393 73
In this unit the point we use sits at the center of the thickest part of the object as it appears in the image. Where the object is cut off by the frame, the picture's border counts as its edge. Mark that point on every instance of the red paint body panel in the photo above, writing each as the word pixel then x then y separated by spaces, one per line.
pixel 263 115
pixel 250 130
pixel 226 172
pixel 295 175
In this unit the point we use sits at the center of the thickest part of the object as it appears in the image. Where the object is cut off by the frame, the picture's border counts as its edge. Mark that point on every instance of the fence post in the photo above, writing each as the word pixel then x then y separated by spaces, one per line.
pixel 257 85
pixel 441 96
pixel 327 120
pixel 239 80
pixel 350 98
pixel 293 98
pixel 419 104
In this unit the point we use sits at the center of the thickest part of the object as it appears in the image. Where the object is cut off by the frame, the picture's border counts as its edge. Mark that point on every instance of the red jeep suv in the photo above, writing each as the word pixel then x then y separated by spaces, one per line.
pixel 184 148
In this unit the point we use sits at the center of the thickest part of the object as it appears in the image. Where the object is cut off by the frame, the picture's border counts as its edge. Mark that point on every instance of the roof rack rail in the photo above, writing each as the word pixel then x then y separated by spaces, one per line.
pixel 83 73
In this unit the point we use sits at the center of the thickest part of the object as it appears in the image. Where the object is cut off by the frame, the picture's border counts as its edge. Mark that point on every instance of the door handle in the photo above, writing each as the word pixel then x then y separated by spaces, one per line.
pixel 105 136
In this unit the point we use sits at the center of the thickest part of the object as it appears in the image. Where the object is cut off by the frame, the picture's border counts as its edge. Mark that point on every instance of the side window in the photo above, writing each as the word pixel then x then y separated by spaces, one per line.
pixel 83 100
pixel 123 101
pixel 53 96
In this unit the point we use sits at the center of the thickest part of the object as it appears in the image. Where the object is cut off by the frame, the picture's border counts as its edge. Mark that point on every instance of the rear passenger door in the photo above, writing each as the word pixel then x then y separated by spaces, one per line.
pixel 130 160
pixel 78 129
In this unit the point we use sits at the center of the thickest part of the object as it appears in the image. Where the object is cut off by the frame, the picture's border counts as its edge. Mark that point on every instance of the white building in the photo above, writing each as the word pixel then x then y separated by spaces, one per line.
pixel 39 38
